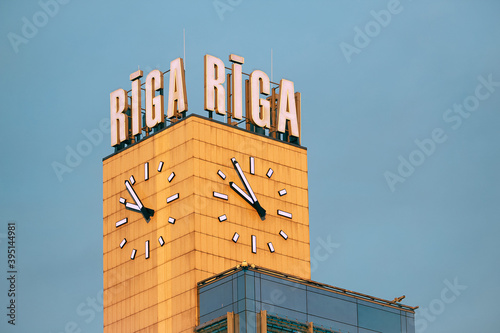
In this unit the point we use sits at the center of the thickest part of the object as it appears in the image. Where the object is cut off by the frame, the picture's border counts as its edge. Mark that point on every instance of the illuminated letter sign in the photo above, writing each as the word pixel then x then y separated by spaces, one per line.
pixel 119 120
pixel 236 86
pixel 154 104
pixel 280 117
pixel 136 102
pixel 177 97
pixel 259 107
pixel 215 94
pixel 287 110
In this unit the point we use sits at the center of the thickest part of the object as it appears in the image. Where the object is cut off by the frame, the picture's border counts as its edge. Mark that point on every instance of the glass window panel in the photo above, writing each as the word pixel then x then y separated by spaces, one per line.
pixel 279 294
pixel 250 304
pixel 216 298
pixel 378 320
pixel 243 320
pixel 250 286
pixel 241 305
pixel 251 322
pixel 410 325
pixel 215 314
pixel 241 287
pixel 257 287
pixel 235 290
pixel 332 308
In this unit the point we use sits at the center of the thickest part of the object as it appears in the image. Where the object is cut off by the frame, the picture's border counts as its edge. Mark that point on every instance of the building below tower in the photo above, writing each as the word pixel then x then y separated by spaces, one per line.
pixel 257 300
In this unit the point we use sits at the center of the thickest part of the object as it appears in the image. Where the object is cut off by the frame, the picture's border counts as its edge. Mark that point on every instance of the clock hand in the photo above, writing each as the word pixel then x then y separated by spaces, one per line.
pixel 242 193
pixel 146 212
pixel 256 204
pixel 132 207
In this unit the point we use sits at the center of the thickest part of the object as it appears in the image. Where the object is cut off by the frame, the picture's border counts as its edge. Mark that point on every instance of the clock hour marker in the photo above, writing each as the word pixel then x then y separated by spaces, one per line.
pixel 132 180
pixel 220 195
pixel 283 234
pixel 254 244
pixel 161 241
pixel 221 175
pixel 146 171
pixel 222 218
pixel 147 249
pixel 252 165
pixel 271 247
pixel 160 166
pixel 122 244
pixel 121 222
pixel 123 201
pixel 132 256
pixel 282 192
pixel 171 220
pixel 269 173
pixel 172 175
pixel 173 198
pixel 236 236
pixel 284 214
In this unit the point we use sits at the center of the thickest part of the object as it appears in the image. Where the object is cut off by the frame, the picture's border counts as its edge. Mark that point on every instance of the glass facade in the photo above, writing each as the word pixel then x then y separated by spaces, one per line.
pixel 248 291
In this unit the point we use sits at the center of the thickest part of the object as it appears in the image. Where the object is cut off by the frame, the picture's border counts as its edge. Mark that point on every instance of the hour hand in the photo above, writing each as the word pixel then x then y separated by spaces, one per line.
pixel 135 208
pixel 146 212
pixel 242 193
pixel 130 206
pixel 255 204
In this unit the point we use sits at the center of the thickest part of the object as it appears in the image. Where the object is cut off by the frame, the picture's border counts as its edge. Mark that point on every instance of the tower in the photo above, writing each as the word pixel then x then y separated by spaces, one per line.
pixel 178 208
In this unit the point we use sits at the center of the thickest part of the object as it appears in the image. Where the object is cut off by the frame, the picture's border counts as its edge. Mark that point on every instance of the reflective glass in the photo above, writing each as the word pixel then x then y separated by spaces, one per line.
pixel 410 325
pixel 247 293
pixel 250 286
pixel 241 287
pixel 332 308
pixel 378 320
pixel 215 298
pixel 215 314
pixel 283 295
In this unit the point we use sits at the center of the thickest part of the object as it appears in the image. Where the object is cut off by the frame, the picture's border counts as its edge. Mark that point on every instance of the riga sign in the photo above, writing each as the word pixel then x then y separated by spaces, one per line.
pixel 258 110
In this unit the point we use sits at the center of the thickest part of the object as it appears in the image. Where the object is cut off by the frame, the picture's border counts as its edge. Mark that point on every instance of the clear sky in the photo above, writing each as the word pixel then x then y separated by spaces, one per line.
pixel 401 109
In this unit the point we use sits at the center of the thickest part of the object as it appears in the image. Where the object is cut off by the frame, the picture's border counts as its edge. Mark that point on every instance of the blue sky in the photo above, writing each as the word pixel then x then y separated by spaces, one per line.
pixel 431 67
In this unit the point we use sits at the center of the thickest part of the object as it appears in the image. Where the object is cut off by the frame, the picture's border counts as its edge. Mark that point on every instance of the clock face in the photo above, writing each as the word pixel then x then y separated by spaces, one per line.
pixel 239 185
pixel 133 206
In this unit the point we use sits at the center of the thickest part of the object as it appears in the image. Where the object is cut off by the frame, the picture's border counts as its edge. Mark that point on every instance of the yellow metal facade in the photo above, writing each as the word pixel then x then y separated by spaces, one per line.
pixel 159 294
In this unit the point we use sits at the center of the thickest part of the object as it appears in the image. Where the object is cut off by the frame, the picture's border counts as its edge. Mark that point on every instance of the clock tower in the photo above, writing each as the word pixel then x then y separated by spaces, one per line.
pixel 191 201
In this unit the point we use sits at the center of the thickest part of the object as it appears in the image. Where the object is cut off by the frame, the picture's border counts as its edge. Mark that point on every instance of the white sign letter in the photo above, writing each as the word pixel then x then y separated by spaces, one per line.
pixel 260 114
pixel 177 97
pixel 287 109
pixel 119 120
pixel 236 86
pixel 214 78
pixel 154 104
pixel 136 102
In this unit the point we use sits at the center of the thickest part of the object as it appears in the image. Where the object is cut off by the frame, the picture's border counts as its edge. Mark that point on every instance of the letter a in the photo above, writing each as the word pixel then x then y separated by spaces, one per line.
pixel 287 110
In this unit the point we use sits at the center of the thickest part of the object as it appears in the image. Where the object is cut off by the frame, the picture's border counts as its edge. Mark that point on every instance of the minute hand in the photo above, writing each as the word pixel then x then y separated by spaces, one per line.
pixel 256 204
